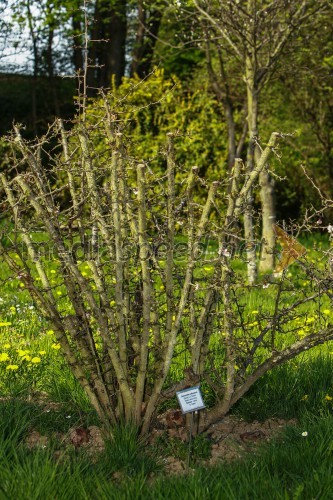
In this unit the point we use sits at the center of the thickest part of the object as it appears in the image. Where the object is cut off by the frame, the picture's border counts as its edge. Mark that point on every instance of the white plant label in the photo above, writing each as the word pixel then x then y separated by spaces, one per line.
pixel 190 399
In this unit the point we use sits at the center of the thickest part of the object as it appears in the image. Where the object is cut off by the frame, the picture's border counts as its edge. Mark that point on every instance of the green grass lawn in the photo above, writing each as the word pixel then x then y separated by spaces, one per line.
pixel 298 464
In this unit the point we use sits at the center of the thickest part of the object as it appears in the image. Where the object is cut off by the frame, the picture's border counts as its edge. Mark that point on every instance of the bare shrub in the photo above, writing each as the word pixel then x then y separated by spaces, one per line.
pixel 144 296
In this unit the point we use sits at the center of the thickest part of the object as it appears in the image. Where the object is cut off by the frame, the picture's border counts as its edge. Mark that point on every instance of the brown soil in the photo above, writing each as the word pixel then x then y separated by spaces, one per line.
pixel 230 439
pixel 89 438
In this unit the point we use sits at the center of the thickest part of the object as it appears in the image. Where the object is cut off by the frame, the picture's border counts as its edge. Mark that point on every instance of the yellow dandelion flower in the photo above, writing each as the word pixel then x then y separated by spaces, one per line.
pixel 42 353
pixel 21 353
pixel 4 356
pixel 55 346
pixel 12 309
pixel 328 397
pixel 53 271
pixel 12 367
pixel 310 320
pixel 254 312
pixel 49 332
pixel 326 311
pixel 6 346
pixel 26 358
pixel 36 360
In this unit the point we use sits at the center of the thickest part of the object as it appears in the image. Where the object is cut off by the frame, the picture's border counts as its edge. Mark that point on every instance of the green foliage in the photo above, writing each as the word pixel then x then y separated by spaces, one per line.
pixel 174 50
pixel 300 103
pixel 36 471
pixel 158 105
pixel 292 101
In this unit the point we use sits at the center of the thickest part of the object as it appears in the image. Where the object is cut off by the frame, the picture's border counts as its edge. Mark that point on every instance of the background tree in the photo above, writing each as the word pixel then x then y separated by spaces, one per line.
pixel 118 31
pixel 309 96
pixel 42 23
pixel 258 34
pixel 148 17
pixel 107 47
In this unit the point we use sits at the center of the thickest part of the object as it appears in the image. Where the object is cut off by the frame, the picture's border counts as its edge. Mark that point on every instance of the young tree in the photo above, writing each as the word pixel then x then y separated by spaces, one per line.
pixel 258 34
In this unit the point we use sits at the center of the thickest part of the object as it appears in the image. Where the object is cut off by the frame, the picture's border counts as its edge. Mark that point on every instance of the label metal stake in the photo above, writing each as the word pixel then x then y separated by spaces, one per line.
pixel 190 401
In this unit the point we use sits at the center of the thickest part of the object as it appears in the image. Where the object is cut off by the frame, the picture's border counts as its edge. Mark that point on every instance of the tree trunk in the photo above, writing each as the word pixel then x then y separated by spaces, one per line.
pixel 32 30
pixel 222 93
pixel 112 50
pixel 266 185
pixel 146 36
pixel 77 45
pixel 50 70
pixel 252 156
pixel 268 219
pixel 107 48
